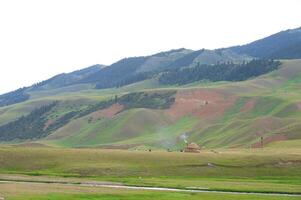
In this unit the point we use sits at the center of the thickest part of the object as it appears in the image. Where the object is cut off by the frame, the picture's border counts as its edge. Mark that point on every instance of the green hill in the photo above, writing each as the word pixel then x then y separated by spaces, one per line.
pixel 237 114
pixel 150 115
pixel 231 97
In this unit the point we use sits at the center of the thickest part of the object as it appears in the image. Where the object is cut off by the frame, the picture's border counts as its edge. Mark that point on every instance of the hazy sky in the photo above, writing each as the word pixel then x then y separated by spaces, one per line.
pixel 41 38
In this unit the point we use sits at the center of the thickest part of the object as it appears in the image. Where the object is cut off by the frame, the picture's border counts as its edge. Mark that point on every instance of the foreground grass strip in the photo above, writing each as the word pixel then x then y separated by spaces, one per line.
pixel 147 196
pixel 116 186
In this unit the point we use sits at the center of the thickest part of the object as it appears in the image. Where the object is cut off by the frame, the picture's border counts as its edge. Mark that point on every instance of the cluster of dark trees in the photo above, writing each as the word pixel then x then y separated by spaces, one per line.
pixel 132 78
pixel 27 127
pixel 157 100
pixel 219 72
pixel 33 126
pixel 13 97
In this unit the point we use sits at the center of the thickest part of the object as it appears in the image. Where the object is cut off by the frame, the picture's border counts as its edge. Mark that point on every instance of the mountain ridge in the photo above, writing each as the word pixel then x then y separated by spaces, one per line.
pixel 232 101
pixel 282 45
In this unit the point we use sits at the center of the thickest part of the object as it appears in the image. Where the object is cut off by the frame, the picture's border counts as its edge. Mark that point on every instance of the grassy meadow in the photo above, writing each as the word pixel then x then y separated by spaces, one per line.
pixel 54 192
pixel 39 191
pixel 266 170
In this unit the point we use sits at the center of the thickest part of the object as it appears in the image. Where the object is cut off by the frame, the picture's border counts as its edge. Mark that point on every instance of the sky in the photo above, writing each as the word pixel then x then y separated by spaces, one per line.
pixel 39 39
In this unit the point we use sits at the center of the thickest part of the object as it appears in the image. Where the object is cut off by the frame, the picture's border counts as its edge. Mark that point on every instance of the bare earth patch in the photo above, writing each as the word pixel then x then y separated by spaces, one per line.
pixel 108 112
pixel 201 103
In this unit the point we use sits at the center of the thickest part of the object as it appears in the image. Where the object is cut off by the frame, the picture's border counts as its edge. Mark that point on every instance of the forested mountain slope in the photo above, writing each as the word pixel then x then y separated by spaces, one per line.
pixel 282 45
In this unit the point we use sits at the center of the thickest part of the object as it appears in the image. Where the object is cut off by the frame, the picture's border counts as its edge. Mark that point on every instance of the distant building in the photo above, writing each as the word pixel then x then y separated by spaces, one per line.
pixel 192 148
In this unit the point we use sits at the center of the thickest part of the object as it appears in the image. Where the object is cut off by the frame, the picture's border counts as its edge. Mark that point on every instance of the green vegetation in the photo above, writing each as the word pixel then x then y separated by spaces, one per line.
pixel 145 195
pixel 266 170
pixel 29 127
pixel 45 120
pixel 156 100
pixel 131 128
pixel 14 97
pixel 42 191
pixel 219 72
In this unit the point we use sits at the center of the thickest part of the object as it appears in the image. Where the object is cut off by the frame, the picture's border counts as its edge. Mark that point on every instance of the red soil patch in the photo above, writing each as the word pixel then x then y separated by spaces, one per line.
pixel 248 106
pixel 269 139
pixel 108 112
pixel 201 103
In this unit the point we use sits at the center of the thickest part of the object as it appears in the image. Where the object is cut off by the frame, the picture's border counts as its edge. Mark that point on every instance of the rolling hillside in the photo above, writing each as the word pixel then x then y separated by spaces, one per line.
pixel 222 114
pixel 217 98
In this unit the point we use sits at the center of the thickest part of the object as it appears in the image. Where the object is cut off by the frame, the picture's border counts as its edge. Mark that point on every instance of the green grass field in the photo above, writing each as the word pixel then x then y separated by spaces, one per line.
pixel 265 171
pixel 54 192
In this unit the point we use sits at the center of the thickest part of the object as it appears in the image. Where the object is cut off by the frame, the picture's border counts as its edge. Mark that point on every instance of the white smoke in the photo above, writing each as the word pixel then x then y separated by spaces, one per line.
pixel 184 137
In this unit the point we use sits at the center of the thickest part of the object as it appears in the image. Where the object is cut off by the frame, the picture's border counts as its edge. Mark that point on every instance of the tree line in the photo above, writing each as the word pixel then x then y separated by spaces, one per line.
pixel 33 125
pixel 13 97
pixel 219 72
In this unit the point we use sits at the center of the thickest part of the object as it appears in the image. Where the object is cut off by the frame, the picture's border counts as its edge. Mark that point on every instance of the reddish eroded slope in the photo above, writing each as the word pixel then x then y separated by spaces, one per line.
pixel 248 105
pixel 268 140
pixel 108 112
pixel 201 103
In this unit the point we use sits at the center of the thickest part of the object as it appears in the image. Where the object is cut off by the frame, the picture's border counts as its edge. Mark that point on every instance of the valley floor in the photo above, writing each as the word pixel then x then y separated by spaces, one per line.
pixel 57 173
pixel 57 191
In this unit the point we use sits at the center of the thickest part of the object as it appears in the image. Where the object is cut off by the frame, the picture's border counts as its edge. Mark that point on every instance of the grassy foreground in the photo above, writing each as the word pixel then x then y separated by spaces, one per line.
pixel 265 170
pixel 33 191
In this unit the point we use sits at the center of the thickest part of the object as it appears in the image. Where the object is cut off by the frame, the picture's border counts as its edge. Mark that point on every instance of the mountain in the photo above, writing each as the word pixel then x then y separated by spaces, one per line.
pixel 147 114
pixel 282 45
pixel 124 72
pixel 66 79
pixel 215 98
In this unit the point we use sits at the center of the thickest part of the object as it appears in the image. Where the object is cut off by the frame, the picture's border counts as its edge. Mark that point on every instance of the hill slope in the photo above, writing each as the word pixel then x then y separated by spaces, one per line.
pixel 282 45
pixel 223 114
